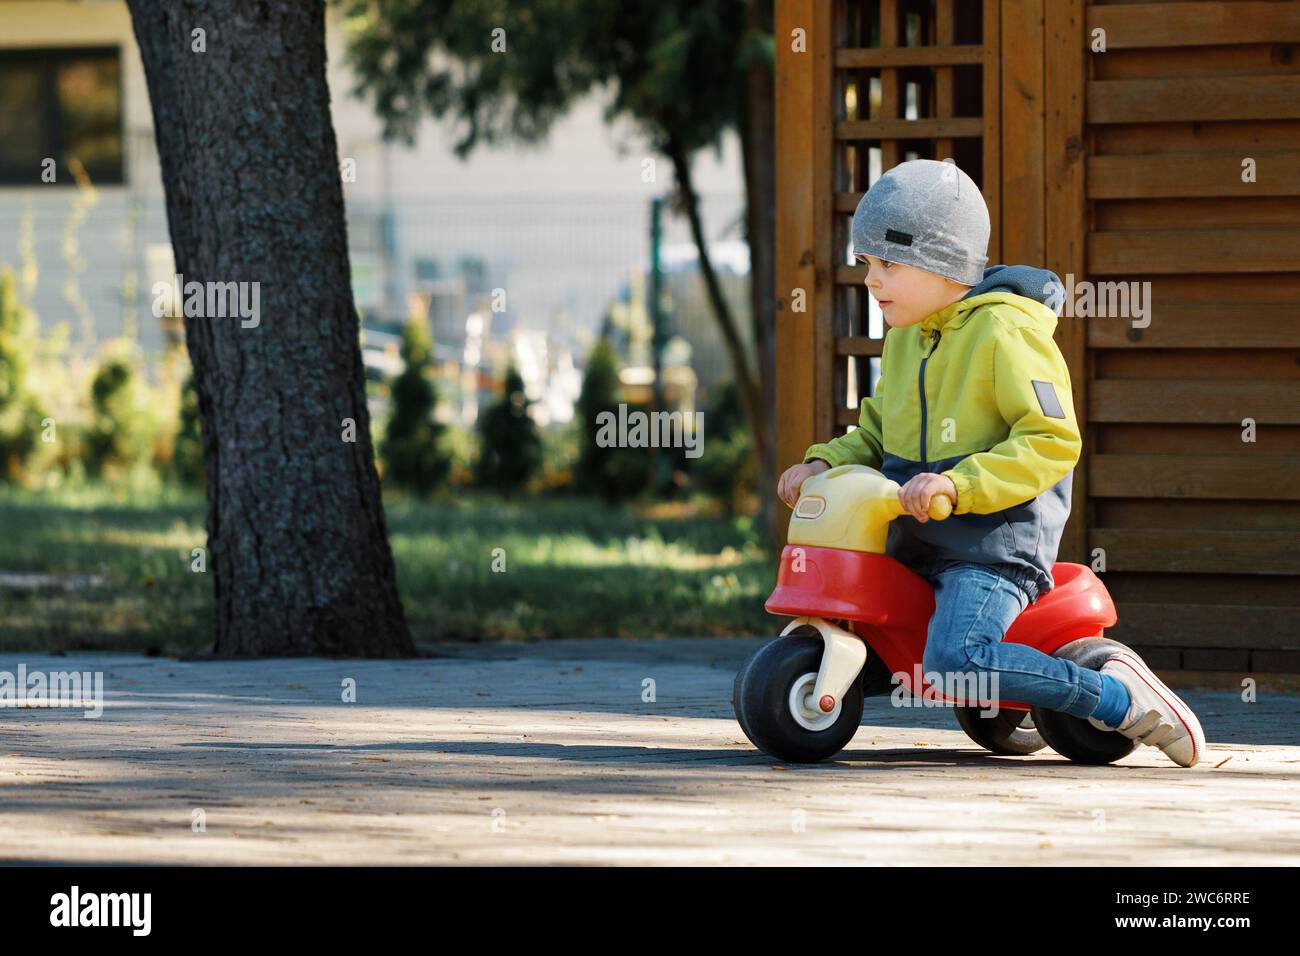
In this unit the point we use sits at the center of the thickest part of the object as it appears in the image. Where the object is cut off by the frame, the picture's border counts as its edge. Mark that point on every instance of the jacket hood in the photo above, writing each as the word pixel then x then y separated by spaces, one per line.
pixel 1027 288
pixel 1032 283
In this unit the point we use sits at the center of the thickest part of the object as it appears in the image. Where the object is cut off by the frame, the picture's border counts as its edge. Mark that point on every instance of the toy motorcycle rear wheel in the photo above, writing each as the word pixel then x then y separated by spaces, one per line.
pixel 770 699
pixel 1009 732
pixel 1073 737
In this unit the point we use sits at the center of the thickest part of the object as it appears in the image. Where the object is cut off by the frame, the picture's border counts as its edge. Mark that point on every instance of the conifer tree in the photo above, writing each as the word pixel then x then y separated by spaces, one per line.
pixel 121 428
pixel 612 472
pixel 20 414
pixel 510 447
pixel 412 450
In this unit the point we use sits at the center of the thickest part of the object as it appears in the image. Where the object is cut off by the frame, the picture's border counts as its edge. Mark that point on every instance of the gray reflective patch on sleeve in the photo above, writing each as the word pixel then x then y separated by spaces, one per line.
pixel 1047 400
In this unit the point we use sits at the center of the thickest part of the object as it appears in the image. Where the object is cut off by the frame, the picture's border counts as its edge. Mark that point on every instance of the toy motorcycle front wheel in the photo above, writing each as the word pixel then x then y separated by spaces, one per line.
pixel 772 697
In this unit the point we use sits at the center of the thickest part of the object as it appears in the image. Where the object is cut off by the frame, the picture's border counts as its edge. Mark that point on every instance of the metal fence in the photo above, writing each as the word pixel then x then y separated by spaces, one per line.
pixel 561 261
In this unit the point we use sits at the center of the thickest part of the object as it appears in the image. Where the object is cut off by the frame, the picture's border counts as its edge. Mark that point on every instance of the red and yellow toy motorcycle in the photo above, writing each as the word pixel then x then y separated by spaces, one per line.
pixel 859 629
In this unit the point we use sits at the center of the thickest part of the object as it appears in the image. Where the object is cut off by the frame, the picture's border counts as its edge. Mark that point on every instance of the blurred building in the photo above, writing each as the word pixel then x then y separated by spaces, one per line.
pixel 534 242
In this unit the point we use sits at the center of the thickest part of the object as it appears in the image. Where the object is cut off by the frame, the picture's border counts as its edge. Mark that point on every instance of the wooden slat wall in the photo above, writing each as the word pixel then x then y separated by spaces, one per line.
pixel 1199 528
pixel 1116 166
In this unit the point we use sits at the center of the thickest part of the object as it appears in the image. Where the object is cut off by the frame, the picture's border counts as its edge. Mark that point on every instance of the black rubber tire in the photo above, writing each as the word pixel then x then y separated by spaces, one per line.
pixel 1073 737
pixel 1009 732
pixel 760 697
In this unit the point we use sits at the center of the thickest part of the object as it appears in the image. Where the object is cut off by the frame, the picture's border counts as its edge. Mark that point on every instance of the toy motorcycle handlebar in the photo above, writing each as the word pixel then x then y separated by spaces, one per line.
pixel 940 507
pixel 881 488
pixel 852 506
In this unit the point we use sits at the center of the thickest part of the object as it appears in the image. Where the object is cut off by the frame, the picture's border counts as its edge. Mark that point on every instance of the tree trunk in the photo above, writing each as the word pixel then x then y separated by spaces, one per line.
pixel 298 548
pixel 758 149
pixel 749 390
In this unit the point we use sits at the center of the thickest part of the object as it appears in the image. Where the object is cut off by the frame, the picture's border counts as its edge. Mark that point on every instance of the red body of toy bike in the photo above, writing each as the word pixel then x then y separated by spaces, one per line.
pixel 889 605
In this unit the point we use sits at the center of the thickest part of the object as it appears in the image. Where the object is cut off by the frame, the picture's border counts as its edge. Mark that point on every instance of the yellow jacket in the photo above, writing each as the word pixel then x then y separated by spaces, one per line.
pixel 979 392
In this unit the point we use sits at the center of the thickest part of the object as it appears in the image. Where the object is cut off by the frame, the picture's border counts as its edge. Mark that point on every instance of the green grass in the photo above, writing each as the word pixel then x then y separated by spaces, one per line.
pixel 572 568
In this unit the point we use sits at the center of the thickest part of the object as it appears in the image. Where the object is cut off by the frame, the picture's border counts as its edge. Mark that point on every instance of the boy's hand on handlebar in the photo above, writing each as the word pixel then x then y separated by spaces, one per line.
pixel 916 494
pixel 787 489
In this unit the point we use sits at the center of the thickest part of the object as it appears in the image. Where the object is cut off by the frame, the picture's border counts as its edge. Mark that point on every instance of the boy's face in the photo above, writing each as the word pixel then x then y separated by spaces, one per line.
pixel 906 294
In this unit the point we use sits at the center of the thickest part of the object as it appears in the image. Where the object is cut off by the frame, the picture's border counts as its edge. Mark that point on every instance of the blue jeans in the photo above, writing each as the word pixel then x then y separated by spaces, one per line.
pixel 974 607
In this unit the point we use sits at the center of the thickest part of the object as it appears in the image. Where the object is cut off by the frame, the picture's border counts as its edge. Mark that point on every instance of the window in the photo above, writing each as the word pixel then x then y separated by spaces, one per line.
pixel 64 104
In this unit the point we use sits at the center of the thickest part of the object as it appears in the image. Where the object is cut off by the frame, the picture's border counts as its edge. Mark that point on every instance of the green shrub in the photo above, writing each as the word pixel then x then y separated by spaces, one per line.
pixel 122 426
pixel 20 413
pixel 726 470
pixel 510 447
pixel 187 450
pixel 559 457
pixel 613 472
pixel 413 449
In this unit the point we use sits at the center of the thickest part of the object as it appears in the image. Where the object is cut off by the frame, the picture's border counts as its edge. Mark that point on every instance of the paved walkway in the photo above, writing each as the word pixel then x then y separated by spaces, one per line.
pixel 547 753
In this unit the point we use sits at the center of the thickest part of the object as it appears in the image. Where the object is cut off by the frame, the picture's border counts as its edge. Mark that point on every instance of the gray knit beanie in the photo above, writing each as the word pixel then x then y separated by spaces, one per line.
pixel 925 214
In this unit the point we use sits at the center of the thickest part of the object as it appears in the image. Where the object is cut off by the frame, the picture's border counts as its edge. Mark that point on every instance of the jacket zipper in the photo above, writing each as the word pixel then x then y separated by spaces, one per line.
pixel 920 383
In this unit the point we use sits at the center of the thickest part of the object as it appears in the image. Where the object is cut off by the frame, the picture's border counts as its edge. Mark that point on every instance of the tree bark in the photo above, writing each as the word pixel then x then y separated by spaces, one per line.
pixel 749 389
pixel 298 547
pixel 758 150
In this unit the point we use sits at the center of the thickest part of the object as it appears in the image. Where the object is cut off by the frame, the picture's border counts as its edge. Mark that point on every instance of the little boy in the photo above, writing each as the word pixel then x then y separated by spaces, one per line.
pixel 974 402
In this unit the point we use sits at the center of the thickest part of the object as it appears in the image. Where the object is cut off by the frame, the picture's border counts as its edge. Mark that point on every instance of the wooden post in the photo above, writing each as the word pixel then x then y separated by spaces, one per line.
pixel 1022 130
pixel 992 119
pixel 804 270
pixel 1065 149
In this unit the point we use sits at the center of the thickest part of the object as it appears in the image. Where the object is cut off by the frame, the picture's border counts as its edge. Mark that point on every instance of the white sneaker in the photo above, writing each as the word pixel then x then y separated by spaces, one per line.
pixel 1156 716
